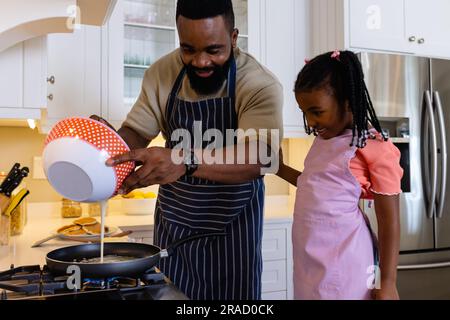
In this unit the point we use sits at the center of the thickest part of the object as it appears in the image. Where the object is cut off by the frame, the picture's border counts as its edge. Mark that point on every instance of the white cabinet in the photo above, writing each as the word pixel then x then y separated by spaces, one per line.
pixel 377 25
pixel 11 64
pixel 22 20
pixel 276 252
pixel 428 23
pixel 22 93
pixel 74 72
pixel 283 48
pixel 401 26
pixel 277 260
pixel 60 74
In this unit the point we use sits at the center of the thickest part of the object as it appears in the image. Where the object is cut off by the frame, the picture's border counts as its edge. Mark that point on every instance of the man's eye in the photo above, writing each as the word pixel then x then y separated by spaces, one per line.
pixel 188 50
pixel 317 113
pixel 213 51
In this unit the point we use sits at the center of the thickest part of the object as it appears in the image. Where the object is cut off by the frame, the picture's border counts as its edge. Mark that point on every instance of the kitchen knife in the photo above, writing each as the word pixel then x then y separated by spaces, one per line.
pixel 15 181
pixel 15 169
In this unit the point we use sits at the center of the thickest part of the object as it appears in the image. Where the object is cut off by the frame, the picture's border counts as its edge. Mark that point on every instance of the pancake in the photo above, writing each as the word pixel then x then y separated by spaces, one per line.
pixel 86 221
pixel 69 228
pixel 75 231
pixel 95 229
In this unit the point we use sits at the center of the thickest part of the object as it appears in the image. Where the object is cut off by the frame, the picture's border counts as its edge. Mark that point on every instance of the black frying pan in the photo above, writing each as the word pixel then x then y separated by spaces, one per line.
pixel 145 258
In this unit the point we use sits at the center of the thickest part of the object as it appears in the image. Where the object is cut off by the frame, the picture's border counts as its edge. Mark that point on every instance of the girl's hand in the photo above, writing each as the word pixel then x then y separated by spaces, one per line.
pixel 387 292
pixel 280 159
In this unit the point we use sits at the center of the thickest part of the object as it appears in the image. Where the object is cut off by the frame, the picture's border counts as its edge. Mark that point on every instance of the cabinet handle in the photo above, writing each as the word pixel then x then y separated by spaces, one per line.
pixel 421 41
pixel 50 97
pixel 412 39
pixel 51 80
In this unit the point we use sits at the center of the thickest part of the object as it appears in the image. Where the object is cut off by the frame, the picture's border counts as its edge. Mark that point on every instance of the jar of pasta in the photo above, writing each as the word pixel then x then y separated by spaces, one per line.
pixel 18 219
pixel 71 209
pixel 95 209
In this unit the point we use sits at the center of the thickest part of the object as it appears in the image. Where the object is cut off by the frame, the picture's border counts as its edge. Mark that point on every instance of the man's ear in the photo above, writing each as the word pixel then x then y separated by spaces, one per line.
pixel 234 37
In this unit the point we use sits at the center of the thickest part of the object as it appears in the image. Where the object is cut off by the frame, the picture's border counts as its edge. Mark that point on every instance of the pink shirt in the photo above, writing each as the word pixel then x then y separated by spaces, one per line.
pixel 377 168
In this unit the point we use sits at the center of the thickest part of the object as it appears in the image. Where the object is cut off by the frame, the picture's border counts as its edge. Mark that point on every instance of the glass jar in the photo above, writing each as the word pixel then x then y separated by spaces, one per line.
pixel 18 220
pixel 95 209
pixel 5 232
pixel 71 209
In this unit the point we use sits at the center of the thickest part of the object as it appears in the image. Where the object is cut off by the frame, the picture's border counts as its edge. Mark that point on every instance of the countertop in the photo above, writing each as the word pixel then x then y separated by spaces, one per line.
pixel 44 218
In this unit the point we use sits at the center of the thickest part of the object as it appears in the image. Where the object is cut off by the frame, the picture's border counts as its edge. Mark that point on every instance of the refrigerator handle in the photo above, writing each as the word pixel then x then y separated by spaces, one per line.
pixel 438 104
pixel 433 152
pixel 423 266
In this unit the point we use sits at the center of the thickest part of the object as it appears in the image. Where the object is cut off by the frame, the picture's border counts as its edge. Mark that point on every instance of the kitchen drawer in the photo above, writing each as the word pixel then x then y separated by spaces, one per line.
pixel 278 295
pixel 274 244
pixel 274 276
pixel 141 237
pixel 147 240
pixel 141 234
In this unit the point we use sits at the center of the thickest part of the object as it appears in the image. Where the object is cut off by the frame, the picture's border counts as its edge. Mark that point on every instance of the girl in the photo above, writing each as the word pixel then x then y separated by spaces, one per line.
pixel 335 252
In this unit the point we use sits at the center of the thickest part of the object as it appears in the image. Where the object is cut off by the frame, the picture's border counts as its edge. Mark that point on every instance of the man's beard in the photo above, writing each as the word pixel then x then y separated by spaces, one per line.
pixel 212 84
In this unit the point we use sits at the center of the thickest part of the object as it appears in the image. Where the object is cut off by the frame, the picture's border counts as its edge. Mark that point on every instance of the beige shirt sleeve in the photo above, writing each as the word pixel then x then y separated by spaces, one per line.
pixel 263 113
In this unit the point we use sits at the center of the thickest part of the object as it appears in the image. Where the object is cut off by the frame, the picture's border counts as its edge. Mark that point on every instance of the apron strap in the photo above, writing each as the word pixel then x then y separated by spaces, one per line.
pixel 178 83
pixel 231 83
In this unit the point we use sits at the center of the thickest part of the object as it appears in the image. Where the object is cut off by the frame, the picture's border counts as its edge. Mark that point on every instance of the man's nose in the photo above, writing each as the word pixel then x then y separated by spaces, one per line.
pixel 201 61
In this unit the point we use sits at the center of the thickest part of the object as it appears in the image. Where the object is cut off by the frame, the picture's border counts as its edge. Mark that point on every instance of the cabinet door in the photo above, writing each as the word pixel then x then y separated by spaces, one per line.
pixel 139 33
pixel 22 79
pixel 274 276
pixel 11 77
pixel 278 295
pixel 428 23
pixel 280 53
pixel 35 73
pixel 377 25
pixel 74 60
pixel 274 244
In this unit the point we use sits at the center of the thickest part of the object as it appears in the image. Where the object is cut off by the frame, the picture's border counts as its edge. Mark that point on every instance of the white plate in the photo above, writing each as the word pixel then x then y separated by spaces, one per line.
pixel 112 230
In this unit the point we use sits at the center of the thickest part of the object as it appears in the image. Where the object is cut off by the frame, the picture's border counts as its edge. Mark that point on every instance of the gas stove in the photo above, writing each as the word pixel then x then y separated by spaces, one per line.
pixel 36 283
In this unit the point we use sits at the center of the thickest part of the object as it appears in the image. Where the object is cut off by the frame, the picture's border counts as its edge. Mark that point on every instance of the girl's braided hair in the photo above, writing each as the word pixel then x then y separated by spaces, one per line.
pixel 341 71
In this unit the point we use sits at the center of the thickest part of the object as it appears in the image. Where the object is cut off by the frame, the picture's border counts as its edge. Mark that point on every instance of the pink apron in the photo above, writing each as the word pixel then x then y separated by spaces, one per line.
pixel 332 242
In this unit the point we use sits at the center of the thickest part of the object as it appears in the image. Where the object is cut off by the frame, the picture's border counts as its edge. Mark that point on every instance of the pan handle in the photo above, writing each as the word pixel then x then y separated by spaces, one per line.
pixel 171 249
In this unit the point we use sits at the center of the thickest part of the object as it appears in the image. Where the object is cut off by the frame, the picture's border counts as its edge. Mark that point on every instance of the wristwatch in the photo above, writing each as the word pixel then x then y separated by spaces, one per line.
pixel 191 163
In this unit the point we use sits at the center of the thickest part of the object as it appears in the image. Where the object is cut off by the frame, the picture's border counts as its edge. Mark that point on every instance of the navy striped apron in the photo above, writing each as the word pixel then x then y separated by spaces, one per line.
pixel 214 268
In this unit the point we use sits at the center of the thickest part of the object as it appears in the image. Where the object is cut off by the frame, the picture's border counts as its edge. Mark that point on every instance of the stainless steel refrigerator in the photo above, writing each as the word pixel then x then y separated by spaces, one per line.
pixel 411 96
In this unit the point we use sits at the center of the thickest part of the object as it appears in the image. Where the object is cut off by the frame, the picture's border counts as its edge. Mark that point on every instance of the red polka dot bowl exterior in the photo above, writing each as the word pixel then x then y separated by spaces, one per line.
pixel 74 157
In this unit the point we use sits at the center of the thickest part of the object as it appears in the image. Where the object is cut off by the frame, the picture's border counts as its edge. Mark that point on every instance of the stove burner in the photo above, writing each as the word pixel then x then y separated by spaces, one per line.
pixel 34 282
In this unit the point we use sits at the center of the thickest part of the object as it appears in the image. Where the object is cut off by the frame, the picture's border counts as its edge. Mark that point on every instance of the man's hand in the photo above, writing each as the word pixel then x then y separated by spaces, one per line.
pixel 157 168
pixel 101 120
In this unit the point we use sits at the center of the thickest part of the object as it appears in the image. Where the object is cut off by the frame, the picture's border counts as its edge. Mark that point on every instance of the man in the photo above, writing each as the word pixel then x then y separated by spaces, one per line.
pixel 207 84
